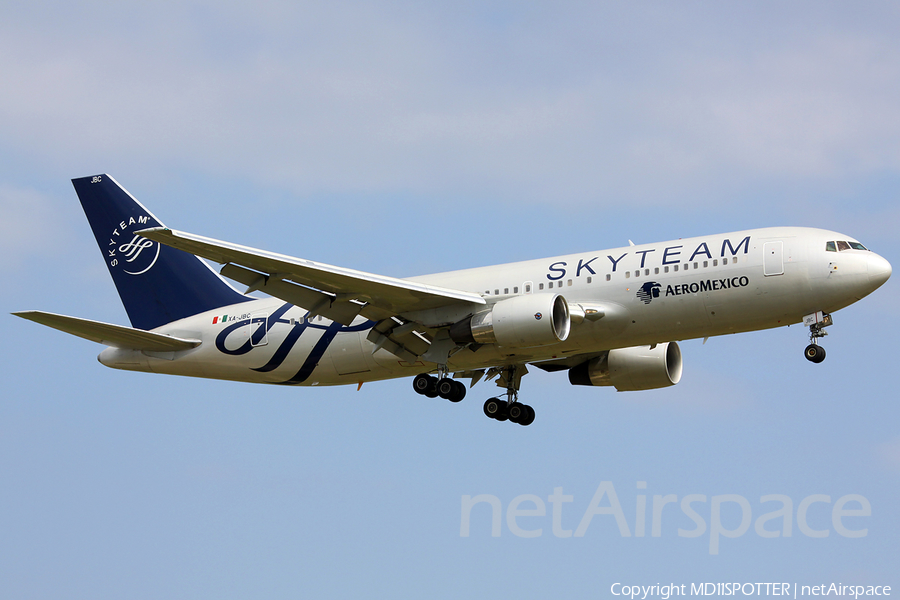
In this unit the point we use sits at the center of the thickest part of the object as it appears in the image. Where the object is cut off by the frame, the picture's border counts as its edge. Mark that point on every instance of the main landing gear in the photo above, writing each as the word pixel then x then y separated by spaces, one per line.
pixel 817 323
pixel 510 409
pixel 446 388
pixel 495 408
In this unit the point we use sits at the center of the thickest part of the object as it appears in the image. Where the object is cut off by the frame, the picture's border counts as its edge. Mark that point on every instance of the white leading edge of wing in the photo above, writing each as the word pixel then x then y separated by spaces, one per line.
pixel 388 293
pixel 109 334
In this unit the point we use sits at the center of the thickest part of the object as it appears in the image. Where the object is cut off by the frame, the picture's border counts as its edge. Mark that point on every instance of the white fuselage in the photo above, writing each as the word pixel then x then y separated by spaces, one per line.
pixel 648 294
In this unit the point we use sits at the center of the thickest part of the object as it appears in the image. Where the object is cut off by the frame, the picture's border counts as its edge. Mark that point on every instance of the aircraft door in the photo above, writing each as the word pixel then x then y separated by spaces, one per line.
pixel 773 258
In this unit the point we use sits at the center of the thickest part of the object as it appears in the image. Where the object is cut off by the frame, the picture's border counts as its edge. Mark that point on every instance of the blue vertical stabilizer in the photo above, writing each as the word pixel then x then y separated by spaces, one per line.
pixel 157 284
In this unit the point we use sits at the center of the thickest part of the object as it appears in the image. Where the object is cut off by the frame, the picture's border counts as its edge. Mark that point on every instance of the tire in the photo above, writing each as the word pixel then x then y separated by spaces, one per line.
pixel 445 388
pixel 459 391
pixel 422 382
pixel 820 355
pixel 528 419
pixel 814 353
pixel 494 408
pixel 516 412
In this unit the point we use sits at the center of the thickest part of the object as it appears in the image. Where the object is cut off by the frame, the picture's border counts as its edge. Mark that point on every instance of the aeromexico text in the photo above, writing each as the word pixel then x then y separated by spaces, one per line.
pixel 670 255
pixel 710 285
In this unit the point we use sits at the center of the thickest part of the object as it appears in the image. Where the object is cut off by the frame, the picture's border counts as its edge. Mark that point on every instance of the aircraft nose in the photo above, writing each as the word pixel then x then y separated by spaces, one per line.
pixel 879 270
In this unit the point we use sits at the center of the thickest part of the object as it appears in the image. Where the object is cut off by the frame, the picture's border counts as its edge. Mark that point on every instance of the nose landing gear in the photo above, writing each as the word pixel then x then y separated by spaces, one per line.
pixel 814 353
pixel 817 323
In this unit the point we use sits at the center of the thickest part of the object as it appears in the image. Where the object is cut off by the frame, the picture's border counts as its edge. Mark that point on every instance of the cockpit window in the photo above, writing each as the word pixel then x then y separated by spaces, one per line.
pixel 830 247
pixel 843 246
pixel 857 246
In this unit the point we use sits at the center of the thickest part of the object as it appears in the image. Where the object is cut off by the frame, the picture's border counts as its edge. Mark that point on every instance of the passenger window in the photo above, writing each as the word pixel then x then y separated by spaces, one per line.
pixel 646 272
pixel 830 247
pixel 665 269
pixel 540 286
pixel 715 262
pixel 627 274
pixel 734 260
pixel 675 268
pixel 724 261
pixel 589 279
pixel 608 276
pixel 695 266
pixel 496 292
pixel 705 264
pixel 569 282
pixel 843 246
pixel 656 271
pixel 516 290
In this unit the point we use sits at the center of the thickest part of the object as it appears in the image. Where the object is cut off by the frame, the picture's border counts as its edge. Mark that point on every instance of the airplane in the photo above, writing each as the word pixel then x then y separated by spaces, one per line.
pixel 609 318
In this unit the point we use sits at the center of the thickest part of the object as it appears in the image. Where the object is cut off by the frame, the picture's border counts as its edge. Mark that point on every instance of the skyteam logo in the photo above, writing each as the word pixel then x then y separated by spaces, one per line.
pixel 132 253
pixel 648 292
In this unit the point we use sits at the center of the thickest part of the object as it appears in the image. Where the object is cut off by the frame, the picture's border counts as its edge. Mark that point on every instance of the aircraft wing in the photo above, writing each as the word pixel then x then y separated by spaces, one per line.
pixel 109 334
pixel 334 292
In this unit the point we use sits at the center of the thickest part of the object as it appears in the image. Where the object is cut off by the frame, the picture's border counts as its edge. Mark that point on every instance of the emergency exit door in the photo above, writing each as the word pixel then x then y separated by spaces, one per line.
pixel 773 258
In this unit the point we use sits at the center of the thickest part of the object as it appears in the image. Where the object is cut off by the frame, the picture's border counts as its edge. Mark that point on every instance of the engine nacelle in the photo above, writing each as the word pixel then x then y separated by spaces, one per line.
pixel 632 369
pixel 521 322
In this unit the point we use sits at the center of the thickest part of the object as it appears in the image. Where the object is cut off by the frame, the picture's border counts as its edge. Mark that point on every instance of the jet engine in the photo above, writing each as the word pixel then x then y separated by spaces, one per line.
pixel 632 369
pixel 520 322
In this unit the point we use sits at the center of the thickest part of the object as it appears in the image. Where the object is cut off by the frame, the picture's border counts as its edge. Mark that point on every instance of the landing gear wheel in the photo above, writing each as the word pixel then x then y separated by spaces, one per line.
pixel 814 353
pixel 423 382
pixel 495 408
pixel 459 392
pixel 520 413
pixel 451 390
pixel 446 388
pixel 426 385
pixel 516 411
pixel 528 419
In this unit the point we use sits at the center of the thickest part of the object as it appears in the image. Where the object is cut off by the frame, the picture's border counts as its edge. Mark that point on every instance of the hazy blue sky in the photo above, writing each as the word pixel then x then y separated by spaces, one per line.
pixel 403 138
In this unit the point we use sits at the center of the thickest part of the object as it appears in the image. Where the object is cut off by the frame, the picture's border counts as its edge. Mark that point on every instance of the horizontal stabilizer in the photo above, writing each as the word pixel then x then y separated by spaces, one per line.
pixel 109 334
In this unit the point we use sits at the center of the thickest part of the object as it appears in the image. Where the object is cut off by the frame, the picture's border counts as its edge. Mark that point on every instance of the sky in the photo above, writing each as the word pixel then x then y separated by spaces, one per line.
pixel 409 138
